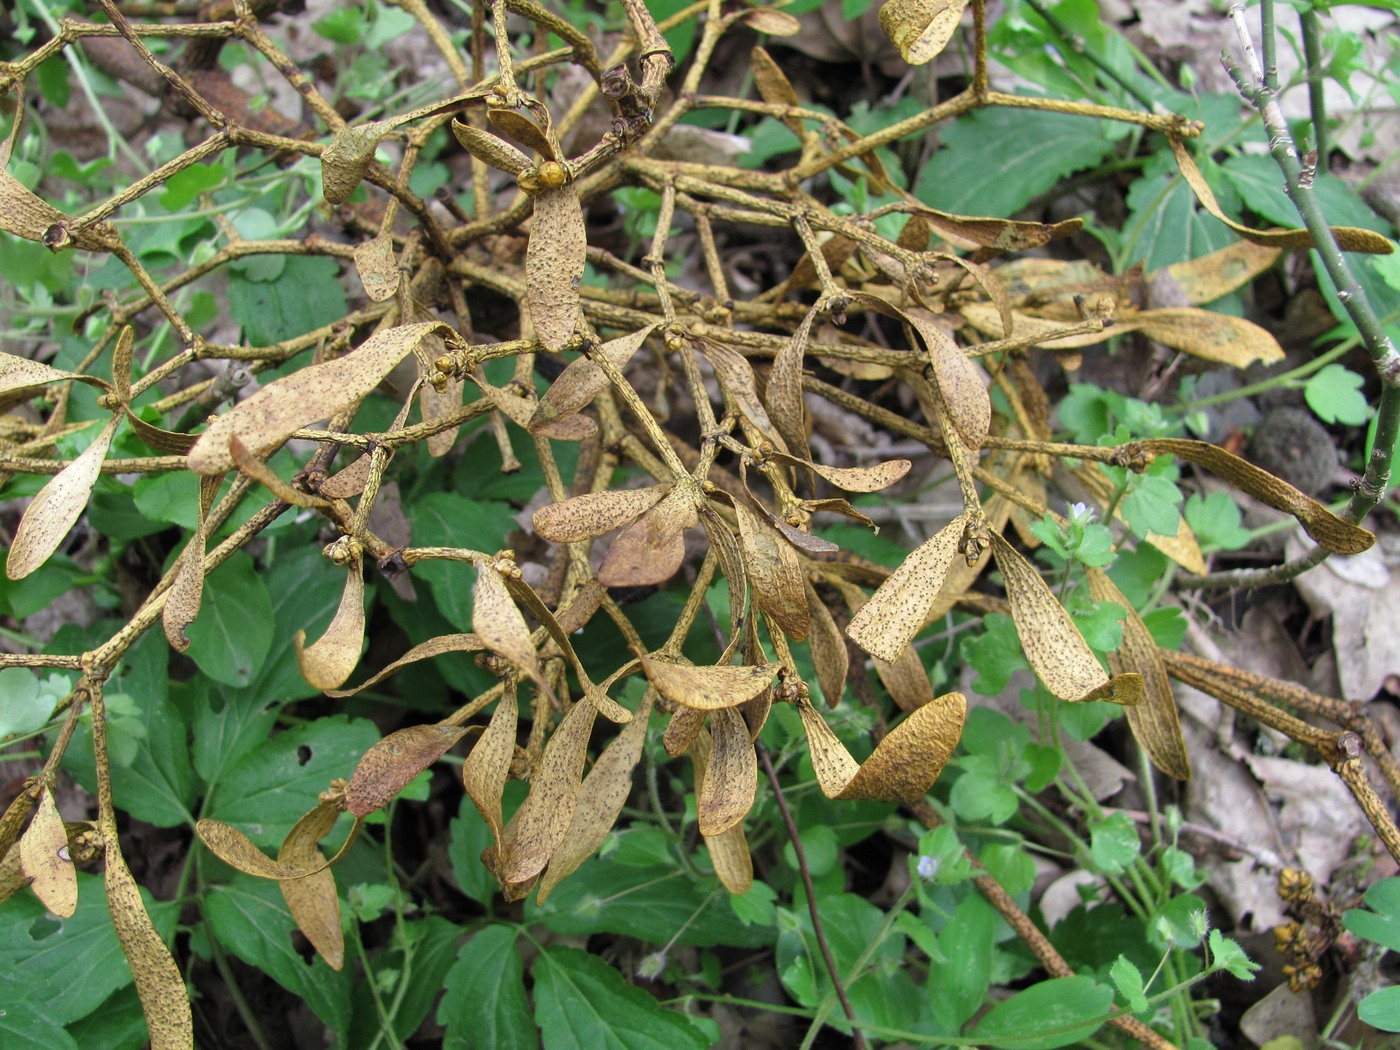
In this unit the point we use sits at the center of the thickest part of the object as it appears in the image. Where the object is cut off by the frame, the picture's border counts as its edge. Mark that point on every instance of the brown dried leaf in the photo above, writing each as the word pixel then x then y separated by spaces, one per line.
pixel 577 613
pixel 329 661
pixel 313 901
pixel 708 688
pixel 264 475
pixel 920 28
pixel 885 625
pixel 1054 648
pixel 1002 235
pixel 1349 238
pixel 525 131
pixel 542 819
pixel 350 480
pixel 500 625
pixel 770 22
pixel 651 549
pixel 682 730
pixel 57 507
pixel 904 764
pixel 594 513
pixel 984 317
pixel 600 801
pixel 1330 531
pixel 389 765
pixel 736 378
pixel 1154 722
pixel 775 575
pixel 487 147
pixel 377 267
pixel 905 679
pixel 186 595
pixel 959 382
pixel 582 379
pixel 784 394
pixel 23 213
pixel 237 850
pixel 438 404
pixel 43 858
pixel 20 373
pixel 522 411
pixel 484 772
pixel 726 794
pixel 830 657
pixel 1206 279
pixel 857 479
pixel 12 879
pixel 159 985
pixel 554 262
pixel 1210 336
pixel 443 643
pixel 319 391
pixel 729 853
pixel 347 158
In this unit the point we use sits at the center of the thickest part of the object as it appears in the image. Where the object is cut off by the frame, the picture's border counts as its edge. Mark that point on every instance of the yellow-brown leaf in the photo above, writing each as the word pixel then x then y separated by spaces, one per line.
pixel 920 29
pixel 313 901
pixel 594 513
pixel 583 379
pixel 554 262
pixel 708 688
pixel 731 776
pixel 652 548
pixel 885 625
pixel 329 661
pixel 484 772
pixel 43 857
pixel 775 575
pixel 389 765
pixel 443 643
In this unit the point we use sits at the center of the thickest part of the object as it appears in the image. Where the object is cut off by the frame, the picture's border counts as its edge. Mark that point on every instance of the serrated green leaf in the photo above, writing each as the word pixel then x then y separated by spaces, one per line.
pixel 994 654
pixel 1334 394
pixel 582 1003
pixel 469 836
pixel 25 707
pixel 305 295
pixel 1216 521
pixel 485 1005
pixel 1128 980
pixel 967 943
pixel 1114 843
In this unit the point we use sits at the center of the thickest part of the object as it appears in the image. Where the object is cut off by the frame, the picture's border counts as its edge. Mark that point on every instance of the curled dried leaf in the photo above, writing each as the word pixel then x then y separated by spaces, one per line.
pixel 542 819
pixel 959 383
pixel 1207 278
pixel 377 267
pixel 682 730
pixel 775 575
pixel 1330 531
pixel 525 131
pixel 57 507
pixel 1001 235
pixel 653 547
pixel 920 29
pixel 885 625
pixel 770 22
pixel 594 513
pixel 726 794
pixel 329 661
pixel 523 412
pixel 487 147
pixel 708 688
pixel 22 374
pixel 443 643
pixel 44 860
pixel 389 765
pixel 905 679
pixel 318 391
pixel 784 394
pixel 186 594
pixel 600 801
pixel 485 770
pixel 345 161
pixel 1154 722
pixel 729 853
pixel 554 262
pixel 1210 336
pixel 350 480
pixel 904 764
pixel 499 623
pixel 829 655
pixel 239 851
pixel 856 479
pixel 159 985
pixel 736 378
pixel 582 379
pixel 313 901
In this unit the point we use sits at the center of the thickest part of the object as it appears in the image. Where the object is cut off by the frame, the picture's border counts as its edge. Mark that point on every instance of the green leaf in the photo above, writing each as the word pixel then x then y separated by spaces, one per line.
pixel 1114 843
pixel 983 791
pixel 1167 625
pixel 172 497
pixel 755 907
pixel 1056 1012
pixel 1151 505
pixel 305 589
pixel 485 1005
pixel 185 185
pixel 1381 1009
pixel 264 793
pixel 1216 521
pixel 993 161
pixel 432 948
pixel 1334 394
pixel 342 26
pixel 582 1003
pixel 820 848
pixel 232 635
pixel 249 918
pixel 449 519
pixel 962 980
pixel 1382 923
pixel 118 1024
pixel 26 707
pixel 1011 865
pixel 994 654
pixel 1127 978
pixel 1164 224
pixel 1225 954
pixel 305 296
pixel 469 836
pixel 1101 624
pixel 1175 924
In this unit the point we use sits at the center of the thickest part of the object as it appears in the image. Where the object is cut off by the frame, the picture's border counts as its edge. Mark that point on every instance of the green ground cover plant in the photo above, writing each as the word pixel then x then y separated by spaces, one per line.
pixel 529 414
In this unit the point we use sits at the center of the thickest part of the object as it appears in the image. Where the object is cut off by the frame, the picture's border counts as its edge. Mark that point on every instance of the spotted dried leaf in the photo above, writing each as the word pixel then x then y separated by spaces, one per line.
pixel 543 818
pixel 904 764
pixel 856 479
pixel 57 507
pixel 23 213
pixel 377 267
pixel 905 679
pixel 159 985
pixel 237 850
pixel 329 661
pixel 727 792
pixel 389 765
pixel 554 262
pixel 1210 336
pixel 1349 238
pixel 736 378
pixel 522 411
pixel 12 879
pixel 708 688
pixel 443 643
pixel 1207 278
pixel 594 513
pixel 499 623
pixel 885 625
pixel 600 801
pixel 959 383
pixel 775 575
pixel 770 22
pixel 525 131
pixel 186 595
pixel 583 379
pixel 318 391
pixel 920 29
pixel 1045 333
pixel 1001 235
pixel 1154 721
pixel 43 855
pixel 347 158
pixel 682 730
pixel 1330 531
pixel 485 770
pixel 784 394
pixel 729 853
pixel 313 901
pixel 265 476
pixel 350 480
pixel 653 547
pixel 19 374
pixel 829 655
pixel 490 148
pixel 440 404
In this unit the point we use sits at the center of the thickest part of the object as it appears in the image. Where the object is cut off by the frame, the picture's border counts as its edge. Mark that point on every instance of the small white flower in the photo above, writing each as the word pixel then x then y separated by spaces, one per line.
pixel 1081 513
pixel 928 866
